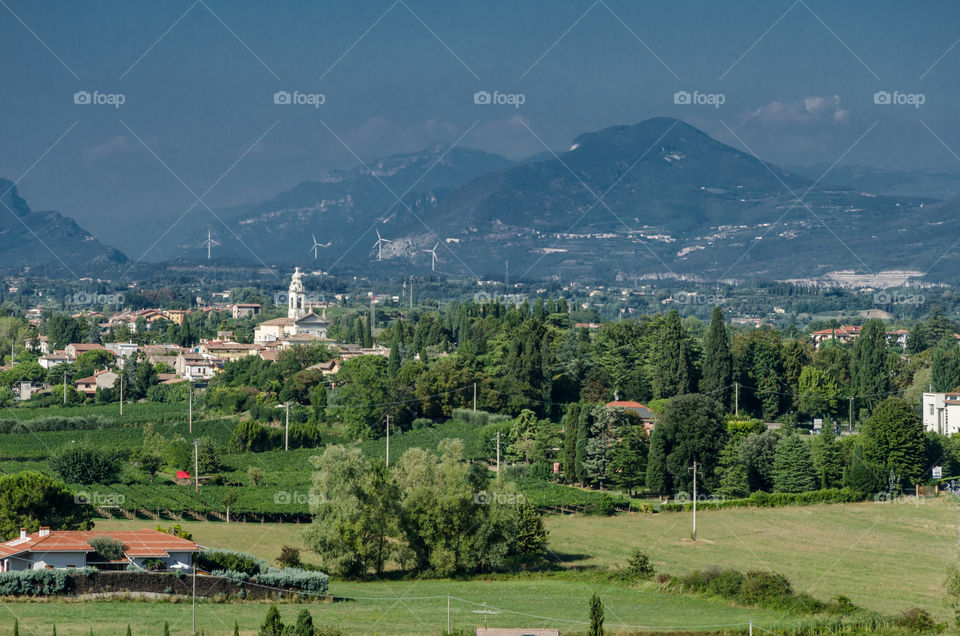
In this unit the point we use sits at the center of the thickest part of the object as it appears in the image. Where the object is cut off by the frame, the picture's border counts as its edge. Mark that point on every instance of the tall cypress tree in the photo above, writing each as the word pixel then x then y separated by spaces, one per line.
pixel 571 425
pixel 869 369
pixel 717 361
pixel 672 364
pixel 583 434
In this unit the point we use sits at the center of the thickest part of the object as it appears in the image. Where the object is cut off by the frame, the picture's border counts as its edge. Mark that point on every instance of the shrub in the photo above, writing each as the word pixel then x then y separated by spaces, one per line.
pixel 917 620
pixel 37 582
pixel 639 567
pixel 604 506
pixel 314 582
pixel 232 575
pixel 727 584
pixel 231 560
pixel 764 588
pixel 421 422
pixel 107 547
pixel 289 557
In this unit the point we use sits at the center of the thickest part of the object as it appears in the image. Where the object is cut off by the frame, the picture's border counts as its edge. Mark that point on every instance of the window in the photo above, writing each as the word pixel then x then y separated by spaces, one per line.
pixel 931 408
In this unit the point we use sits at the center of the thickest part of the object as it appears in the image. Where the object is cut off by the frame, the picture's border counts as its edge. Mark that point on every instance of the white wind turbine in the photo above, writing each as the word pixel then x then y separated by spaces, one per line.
pixel 316 246
pixel 379 245
pixel 433 257
pixel 209 243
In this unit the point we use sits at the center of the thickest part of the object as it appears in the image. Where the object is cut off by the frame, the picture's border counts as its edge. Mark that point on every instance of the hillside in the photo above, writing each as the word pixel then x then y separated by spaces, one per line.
pixel 30 238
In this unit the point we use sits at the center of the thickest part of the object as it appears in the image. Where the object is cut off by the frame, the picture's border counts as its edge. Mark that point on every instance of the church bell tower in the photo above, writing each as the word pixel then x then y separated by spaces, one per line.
pixel 297 298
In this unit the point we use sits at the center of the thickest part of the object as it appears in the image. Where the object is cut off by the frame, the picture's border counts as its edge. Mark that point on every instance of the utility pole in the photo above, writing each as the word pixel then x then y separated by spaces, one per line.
pixel 448 612
pixel 498 454
pixel 286 428
pixel 196 466
pixel 388 443
pixel 64 387
pixel 190 400
pixel 736 398
pixel 121 392
pixel 850 416
pixel 474 397
pixel 694 501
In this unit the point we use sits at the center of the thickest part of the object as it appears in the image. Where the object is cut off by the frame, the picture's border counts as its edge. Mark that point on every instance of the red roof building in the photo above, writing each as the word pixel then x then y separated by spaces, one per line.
pixel 48 549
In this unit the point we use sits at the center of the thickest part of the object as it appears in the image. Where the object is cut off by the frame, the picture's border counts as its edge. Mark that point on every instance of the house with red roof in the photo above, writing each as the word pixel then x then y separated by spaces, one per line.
pixel 645 414
pixel 55 549
pixel 845 333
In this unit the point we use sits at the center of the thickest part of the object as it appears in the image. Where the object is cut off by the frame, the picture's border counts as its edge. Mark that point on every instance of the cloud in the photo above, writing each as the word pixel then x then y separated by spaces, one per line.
pixel 809 111
pixel 114 146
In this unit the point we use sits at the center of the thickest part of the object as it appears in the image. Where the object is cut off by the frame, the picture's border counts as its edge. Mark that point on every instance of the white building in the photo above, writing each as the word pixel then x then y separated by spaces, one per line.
pixel 941 412
pixel 71 549
pixel 299 322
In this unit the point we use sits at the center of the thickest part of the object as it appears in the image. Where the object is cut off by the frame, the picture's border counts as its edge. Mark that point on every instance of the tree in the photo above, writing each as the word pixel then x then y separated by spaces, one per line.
pixel 78 465
pixel 596 616
pixel 363 390
pixel 627 468
pixel 531 536
pixel 893 439
pixel 29 499
pixel 818 393
pixel 827 457
pixel 793 469
pixel 272 625
pixel 945 369
pixel 732 471
pixel 355 508
pixel 869 368
pixel 693 430
pixel 757 453
pixel 658 477
pixel 599 443
pixel 570 422
pixel 304 625
pixel 717 376
pixel 583 434
pixel 951 590
pixel 673 370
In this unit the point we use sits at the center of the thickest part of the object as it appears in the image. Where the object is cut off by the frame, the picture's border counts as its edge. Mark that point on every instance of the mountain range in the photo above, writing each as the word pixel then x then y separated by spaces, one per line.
pixel 656 199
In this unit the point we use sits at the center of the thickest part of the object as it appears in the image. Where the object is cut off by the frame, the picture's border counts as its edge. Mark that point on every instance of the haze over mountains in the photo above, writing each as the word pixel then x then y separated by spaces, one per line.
pixel 659 198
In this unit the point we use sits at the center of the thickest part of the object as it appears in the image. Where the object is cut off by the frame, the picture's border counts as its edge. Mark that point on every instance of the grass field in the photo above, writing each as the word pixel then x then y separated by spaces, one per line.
pixel 884 557
pixel 408 607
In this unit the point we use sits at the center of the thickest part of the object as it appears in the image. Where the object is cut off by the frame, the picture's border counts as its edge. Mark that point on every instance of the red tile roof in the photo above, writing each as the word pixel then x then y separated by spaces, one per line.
pixel 136 543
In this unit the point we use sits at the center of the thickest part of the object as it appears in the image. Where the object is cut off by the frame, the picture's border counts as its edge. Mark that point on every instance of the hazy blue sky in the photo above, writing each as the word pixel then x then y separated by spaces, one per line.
pixel 198 78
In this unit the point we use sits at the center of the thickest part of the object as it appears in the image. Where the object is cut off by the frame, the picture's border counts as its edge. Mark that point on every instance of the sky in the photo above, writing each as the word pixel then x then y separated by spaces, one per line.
pixel 187 89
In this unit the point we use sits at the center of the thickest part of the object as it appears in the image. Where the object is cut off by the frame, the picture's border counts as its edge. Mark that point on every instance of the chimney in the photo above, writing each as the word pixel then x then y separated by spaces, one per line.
pixel 44 531
pixel 23 533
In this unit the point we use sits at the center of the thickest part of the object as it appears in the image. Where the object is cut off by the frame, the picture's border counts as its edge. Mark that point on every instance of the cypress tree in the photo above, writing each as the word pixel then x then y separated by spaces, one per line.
pixel 236 628
pixel 596 616
pixel 793 469
pixel 304 626
pixel 583 434
pixel 571 424
pixel 129 633
pixel 16 627
pixel 166 628
pixel 672 364
pixel 717 361
pixel 869 369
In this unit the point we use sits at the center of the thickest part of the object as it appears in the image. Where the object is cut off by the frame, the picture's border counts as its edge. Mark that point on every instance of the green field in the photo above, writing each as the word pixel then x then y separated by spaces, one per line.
pixel 409 607
pixel 884 557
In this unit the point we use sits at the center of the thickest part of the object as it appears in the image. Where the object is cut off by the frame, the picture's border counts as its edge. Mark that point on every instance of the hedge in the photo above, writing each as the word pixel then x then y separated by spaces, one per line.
pixel 213 559
pixel 38 582
pixel 314 582
pixel 762 499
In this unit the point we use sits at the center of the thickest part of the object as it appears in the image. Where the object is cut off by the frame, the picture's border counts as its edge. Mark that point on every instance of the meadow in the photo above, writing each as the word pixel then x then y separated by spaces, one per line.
pixel 885 557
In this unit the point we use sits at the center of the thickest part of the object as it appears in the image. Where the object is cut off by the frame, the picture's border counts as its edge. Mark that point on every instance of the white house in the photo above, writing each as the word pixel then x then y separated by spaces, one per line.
pixel 50 360
pixel 122 349
pixel 941 412
pixel 56 549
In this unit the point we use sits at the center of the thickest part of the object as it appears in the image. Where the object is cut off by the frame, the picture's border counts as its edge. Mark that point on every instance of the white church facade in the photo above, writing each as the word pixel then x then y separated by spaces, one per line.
pixel 299 326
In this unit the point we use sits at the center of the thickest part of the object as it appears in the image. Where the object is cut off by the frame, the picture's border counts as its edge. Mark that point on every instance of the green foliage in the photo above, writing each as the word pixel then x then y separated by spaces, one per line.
pixel 531 537
pixel 213 559
pixel 363 389
pixel 78 465
pixel 272 624
pixel 717 374
pixel 951 591
pixel 307 581
pixel 893 438
pixel 38 582
pixel 673 364
pixel 304 625
pixel 691 429
pixel 869 366
pixel 107 547
pixel 289 557
pixel 762 499
pixel 596 616
pixel 570 421
pixel 793 469
pixel 639 567
pixel 917 620
pixel 28 499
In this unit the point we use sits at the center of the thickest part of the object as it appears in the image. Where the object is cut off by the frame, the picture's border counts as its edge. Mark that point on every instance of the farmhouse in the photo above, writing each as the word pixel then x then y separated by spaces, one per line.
pixel 646 416
pixel 56 549
pixel 99 380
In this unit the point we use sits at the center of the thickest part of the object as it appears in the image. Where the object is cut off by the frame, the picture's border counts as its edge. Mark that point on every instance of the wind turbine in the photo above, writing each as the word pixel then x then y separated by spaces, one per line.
pixel 209 243
pixel 316 246
pixel 433 257
pixel 379 245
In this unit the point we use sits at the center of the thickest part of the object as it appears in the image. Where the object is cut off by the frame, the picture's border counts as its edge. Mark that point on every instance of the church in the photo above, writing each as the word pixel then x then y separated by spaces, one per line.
pixel 300 326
